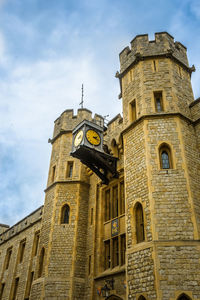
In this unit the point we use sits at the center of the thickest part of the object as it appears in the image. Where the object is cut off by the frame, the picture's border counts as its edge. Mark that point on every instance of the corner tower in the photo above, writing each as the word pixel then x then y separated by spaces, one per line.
pixel 162 189
pixel 60 266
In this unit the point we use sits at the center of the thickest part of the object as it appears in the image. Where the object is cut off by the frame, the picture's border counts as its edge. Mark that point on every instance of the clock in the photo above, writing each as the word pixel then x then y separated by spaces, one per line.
pixel 87 134
pixel 87 146
pixel 78 138
pixel 93 137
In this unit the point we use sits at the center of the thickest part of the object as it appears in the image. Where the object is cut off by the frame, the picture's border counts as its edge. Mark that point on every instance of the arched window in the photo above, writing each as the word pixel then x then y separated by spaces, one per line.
pixel 65 214
pixel 41 262
pixel 183 297
pixel 139 219
pixel 165 157
pixel 141 298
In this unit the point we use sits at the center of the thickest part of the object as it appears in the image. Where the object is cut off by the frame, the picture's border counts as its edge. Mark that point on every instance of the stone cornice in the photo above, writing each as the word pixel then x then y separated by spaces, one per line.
pixel 62 131
pixel 18 232
pixel 157 116
pixel 66 182
pixel 164 243
pixel 110 273
pixel 169 54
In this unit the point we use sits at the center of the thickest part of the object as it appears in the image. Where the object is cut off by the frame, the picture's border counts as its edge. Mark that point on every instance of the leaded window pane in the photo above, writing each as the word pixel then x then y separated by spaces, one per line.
pixel 165 160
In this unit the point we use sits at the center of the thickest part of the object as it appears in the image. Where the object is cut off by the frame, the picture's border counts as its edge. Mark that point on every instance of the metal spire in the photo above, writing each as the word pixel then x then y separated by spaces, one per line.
pixel 81 103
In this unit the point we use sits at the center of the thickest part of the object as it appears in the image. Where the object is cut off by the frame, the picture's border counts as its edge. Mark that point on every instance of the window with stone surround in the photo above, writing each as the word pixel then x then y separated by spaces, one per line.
pixel 114 225
pixel 8 257
pixel 139 222
pixel 53 173
pixel 21 250
pixel 89 264
pixel 132 111
pixel 41 262
pixel 155 66
pixel 158 100
pixel 114 201
pixel 29 285
pixel 2 289
pixel 91 215
pixel 69 171
pixel 36 243
pixel 16 283
pixel 165 157
pixel 65 213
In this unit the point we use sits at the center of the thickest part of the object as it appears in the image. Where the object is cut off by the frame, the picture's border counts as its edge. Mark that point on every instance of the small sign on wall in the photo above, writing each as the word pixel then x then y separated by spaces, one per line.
pixel 115 227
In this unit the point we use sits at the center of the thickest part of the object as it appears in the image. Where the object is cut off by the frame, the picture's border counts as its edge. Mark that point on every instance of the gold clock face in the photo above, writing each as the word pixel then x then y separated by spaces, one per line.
pixel 78 138
pixel 93 137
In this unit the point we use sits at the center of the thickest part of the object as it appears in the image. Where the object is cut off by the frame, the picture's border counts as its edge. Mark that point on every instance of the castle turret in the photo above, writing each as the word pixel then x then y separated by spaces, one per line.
pixel 155 76
pixel 62 249
pixel 162 189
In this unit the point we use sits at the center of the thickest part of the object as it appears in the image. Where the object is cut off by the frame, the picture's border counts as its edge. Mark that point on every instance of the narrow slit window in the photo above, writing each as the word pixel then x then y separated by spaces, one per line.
pixel 15 288
pixel 70 169
pixel 36 243
pixel 30 283
pixel 132 111
pixel 91 216
pixel 154 66
pixel 22 249
pixel 115 252
pixel 53 173
pixel 65 214
pixel 89 265
pixel 139 223
pixel 2 290
pixel 123 249
pixel 158 101
pixel 180 71
pixel 8 257
pixel 122 198
pixel 107 254
pixel 41 262
pixel 107 205
pixel 115 202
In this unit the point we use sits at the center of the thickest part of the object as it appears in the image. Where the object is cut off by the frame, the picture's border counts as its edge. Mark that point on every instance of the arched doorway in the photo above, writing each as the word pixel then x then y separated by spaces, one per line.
pixel 184 297
pixel 113 297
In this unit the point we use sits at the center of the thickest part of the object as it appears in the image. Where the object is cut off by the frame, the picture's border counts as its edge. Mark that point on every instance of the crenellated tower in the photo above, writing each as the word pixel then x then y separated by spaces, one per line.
pixel 62 249
pixel 161 166
pixel 121 218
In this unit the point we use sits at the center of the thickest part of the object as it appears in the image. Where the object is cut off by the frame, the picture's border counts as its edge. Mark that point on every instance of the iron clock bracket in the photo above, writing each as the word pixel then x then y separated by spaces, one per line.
pixel 99 162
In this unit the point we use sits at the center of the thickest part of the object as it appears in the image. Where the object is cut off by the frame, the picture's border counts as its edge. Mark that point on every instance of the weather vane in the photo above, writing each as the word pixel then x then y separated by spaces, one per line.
pixel 81 103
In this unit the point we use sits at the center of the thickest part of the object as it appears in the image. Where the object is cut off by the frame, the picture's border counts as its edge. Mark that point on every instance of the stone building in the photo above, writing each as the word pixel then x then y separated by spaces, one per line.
pixel 136 237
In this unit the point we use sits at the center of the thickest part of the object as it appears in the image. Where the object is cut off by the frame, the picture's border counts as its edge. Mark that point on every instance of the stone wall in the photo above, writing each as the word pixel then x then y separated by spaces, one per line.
pixel 24 230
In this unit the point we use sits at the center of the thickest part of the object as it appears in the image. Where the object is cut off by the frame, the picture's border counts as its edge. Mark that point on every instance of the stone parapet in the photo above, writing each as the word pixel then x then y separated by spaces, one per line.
pixel 68 121
pixel 142 48
pixel 3 227
pixel 28 221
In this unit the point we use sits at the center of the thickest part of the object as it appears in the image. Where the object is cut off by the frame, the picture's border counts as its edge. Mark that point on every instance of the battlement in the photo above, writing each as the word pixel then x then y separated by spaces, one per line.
pixel 23 224
pixel 142 47
pixel 68 121
pixel 3 227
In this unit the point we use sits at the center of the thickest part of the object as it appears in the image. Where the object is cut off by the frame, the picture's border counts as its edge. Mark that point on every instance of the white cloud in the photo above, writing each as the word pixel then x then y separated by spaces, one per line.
pixel 45 62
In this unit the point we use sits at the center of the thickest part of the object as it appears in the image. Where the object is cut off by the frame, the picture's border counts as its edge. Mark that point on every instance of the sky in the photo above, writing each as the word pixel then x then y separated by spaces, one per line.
pixel 48 48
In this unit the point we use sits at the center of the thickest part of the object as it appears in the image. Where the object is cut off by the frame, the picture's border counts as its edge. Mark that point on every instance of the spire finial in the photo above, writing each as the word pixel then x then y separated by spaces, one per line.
pixel 81 103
